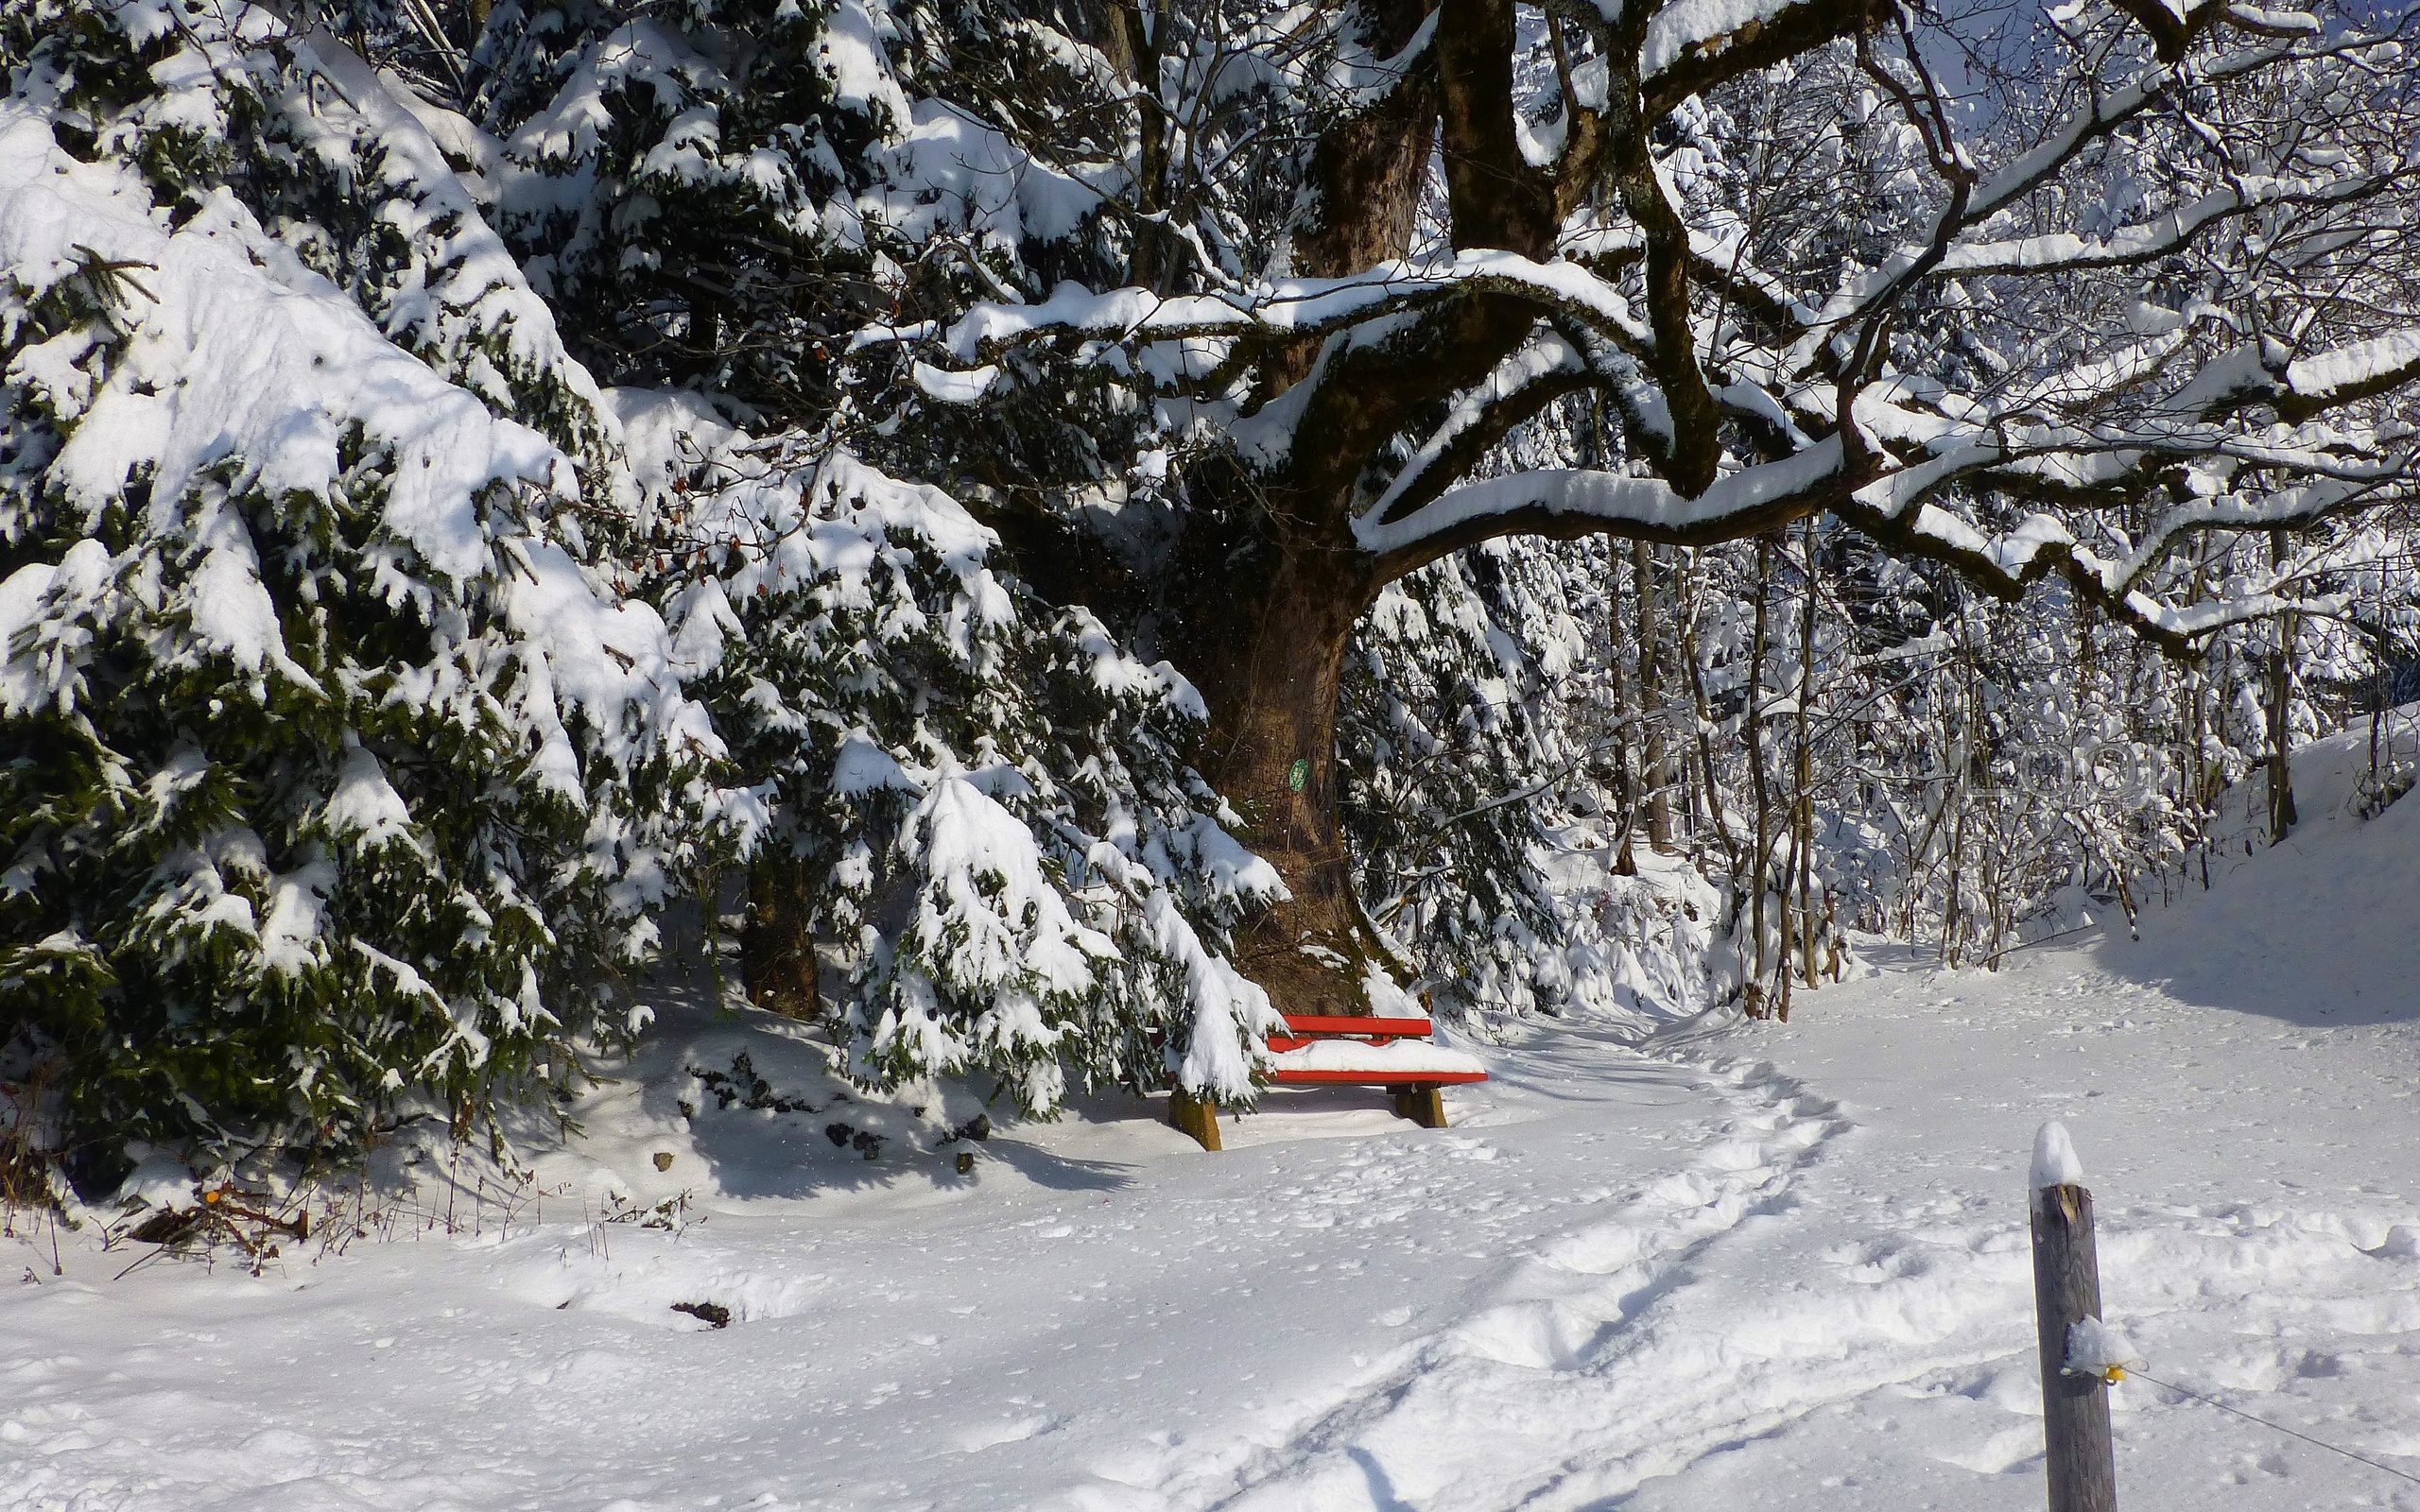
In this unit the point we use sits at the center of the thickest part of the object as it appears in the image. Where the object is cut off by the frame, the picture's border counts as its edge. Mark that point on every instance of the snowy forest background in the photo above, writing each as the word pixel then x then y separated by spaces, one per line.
pixel 479 482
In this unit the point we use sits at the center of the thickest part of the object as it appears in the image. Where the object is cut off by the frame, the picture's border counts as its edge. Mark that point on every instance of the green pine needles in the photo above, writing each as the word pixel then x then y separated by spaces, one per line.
pixel 335 775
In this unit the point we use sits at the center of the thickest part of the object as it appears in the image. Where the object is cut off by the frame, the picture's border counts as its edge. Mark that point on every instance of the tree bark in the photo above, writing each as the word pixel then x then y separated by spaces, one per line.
pixel 2282 817
pixel 1269 667
pixel 1655 767
pixel 1368 171
pixel 1804 773
pixel 1626 708
pixel 1258 608
pixel 777 966
pixel 1761 872
pixel 1690 670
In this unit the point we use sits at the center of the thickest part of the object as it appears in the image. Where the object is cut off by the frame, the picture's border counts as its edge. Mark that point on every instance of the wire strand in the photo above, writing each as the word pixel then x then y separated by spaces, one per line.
pixel 2281 1428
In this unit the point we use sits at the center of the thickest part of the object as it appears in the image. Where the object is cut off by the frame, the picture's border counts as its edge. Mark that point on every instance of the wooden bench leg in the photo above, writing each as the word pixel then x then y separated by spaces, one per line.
pixel 1194 1117
pixel 1423 1104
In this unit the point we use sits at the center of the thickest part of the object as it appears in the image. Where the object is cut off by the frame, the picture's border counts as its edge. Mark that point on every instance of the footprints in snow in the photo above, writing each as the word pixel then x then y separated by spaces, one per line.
pixel 1600 1275
pixel 1563 1323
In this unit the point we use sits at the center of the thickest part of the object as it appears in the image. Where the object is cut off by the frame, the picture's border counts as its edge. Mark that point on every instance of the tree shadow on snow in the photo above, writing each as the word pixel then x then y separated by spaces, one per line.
pixel 747 1107
pixel 1061 1173
pixel 746 1103
pixel 2320 931
pixel 1382 1488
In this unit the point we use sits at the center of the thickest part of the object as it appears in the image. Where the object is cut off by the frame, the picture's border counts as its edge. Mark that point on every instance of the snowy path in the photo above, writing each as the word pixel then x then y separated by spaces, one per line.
pixel 1109 1310
pixel 1458 1416
pixel 1744 1268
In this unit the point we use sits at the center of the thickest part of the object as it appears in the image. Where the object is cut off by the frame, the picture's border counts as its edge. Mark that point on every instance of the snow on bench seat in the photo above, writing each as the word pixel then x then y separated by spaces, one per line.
pixel 1352 1052
pixel 1364 1062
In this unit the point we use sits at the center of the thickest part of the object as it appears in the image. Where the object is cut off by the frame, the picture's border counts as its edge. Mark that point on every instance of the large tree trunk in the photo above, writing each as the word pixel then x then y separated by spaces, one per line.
pixel 1266 629
pixel 777 966
pixel 1268 659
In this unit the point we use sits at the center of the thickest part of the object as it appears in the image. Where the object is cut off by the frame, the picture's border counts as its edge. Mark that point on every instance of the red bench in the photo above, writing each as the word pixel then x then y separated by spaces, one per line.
pixel 1352 1052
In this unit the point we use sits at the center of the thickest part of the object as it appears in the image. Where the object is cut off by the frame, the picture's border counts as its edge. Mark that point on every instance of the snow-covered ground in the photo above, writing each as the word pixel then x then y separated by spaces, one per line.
pixel 1701 1264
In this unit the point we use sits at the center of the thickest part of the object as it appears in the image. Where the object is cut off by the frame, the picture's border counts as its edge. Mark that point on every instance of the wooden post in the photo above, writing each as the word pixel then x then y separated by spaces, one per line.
pixel 1424 1104
pixel 2079 1457
pixel 1193 1116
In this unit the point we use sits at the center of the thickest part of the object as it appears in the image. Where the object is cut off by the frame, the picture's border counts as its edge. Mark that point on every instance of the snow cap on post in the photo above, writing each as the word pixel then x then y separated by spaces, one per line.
pixel 2054 1161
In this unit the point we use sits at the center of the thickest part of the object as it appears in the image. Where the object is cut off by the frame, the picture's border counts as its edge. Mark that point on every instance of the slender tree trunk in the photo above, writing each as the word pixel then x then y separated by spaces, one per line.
pixel 1137 56
pixel 2282 817
pixel 1761 868
pixel 1953 915
pixel 2377 728
pixel 1783 981
pixel 1626 716
pixel 2198 681
pixel 1716 818
pixel 1804 809
pixel 1954 923
pixel 1656 771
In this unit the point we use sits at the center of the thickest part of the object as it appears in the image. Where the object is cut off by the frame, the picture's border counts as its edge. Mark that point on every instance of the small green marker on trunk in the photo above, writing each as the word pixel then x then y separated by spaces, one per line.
pixel 1301 774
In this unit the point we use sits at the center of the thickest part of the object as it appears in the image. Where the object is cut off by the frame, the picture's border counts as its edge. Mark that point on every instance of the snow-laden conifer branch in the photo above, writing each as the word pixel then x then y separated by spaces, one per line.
pixel 992 904
pixel 1173 329
pixel 308 542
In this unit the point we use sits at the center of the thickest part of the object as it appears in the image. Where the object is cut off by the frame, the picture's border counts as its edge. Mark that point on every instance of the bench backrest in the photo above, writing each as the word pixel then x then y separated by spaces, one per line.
pixel 1313 1027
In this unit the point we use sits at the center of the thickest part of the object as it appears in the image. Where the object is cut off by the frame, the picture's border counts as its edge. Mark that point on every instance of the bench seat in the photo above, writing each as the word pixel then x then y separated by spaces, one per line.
pixel 1396 1053
pixel 1371 1063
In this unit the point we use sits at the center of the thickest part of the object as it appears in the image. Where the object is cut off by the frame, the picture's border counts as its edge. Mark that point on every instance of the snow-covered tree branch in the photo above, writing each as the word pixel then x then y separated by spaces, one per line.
pixel 931 476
